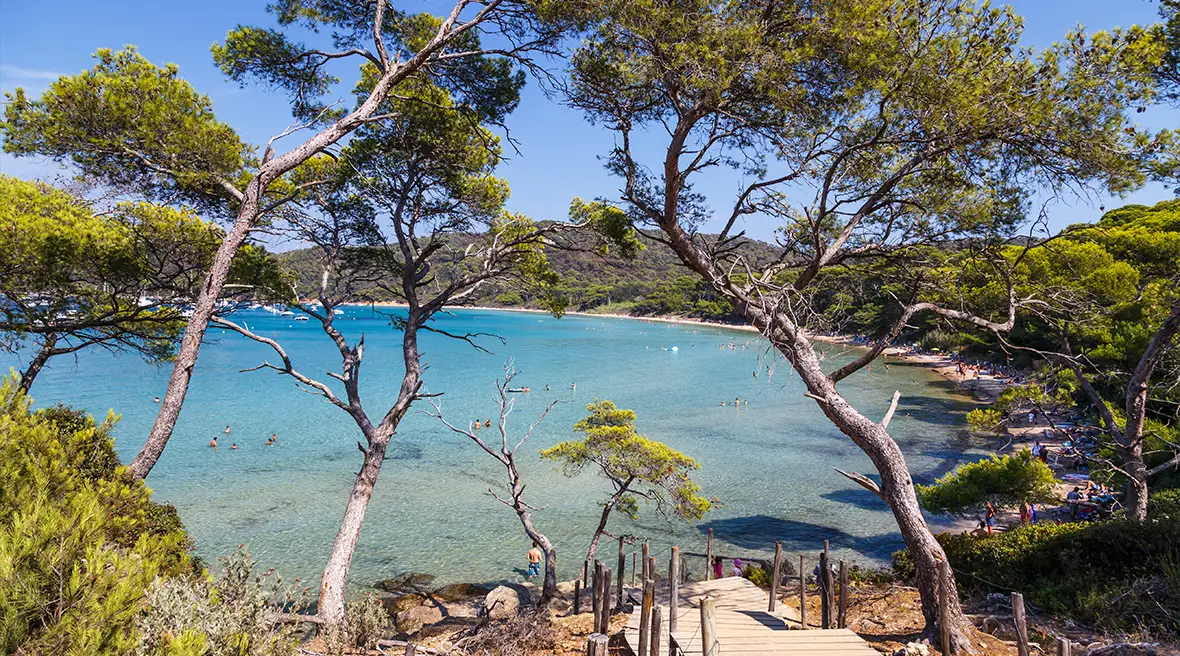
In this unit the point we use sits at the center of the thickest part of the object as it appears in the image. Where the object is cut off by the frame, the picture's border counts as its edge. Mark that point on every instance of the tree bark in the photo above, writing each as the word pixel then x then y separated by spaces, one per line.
pixel 331 604
pixel 38 361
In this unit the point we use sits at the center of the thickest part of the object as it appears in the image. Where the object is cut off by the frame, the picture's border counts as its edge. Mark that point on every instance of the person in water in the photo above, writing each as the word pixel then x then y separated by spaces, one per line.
pixel 534 561
pixel 487 423
pixel 213 442
pixel 274 437
pixel 546 388
pixel 227 430
pixel 269 442
pixel 574 387
pixel 233 447
pixel 157 399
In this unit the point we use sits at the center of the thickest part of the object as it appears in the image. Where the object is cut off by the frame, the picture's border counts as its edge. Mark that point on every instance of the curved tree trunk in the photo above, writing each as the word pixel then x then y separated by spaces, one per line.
pixel 549 582
pixel 331 603
pixel 38 362
pixel 896 485
pixel 194 334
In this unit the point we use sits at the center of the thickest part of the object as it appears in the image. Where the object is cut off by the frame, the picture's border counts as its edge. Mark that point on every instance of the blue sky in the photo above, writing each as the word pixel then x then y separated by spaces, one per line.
pixel 560 152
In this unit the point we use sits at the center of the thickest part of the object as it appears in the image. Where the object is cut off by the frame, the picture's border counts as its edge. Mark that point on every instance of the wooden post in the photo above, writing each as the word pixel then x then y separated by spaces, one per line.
pixel 622 571
pixel 655 631
pixel 1064 647
pixel 802 593
pixel 673 588
pixel 643 562
pixel 632 569
pixel 410 649
pixel 596 594
pixel 596 645
pixel 709 557
pixel 683 570
pixel 776 572
pixel 708 627
pixel 842 617
pixel 605 602
pixel 649 587
pixel 651 567
pixel 1021 624
pixel 585 573
pixel 944 607
pixel 825 607
pixel 577 596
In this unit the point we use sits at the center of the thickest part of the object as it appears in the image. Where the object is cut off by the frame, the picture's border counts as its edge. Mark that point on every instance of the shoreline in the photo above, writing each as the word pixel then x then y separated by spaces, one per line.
pixel 984 389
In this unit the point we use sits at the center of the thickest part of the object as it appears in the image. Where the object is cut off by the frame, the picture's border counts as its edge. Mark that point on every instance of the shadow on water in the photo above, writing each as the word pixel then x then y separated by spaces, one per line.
pixel 859 497
pixel 762 531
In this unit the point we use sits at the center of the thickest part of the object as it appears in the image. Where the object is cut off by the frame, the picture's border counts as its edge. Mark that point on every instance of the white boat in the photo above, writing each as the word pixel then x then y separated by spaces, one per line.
pixel 301 318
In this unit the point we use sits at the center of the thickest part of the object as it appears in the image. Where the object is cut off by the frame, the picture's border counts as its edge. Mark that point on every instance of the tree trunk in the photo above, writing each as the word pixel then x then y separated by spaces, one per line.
pixel 194 334
pixel 896 484
pixel 549 583
pixel 38 361
pixel 606 510
pixel 331 604
pixel 1136 492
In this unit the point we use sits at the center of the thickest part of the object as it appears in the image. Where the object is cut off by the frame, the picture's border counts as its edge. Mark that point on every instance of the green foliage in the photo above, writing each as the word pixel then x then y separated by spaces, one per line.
pixel 1003 480
pixel 366 622
pixel 985 420
pixel 611 223
pixel 637 466
pixel 74 277
pixel 80 539
pixel 232 615
pixel 1120 574
pixel 1164 504
pixel 132 125
pixel 758 575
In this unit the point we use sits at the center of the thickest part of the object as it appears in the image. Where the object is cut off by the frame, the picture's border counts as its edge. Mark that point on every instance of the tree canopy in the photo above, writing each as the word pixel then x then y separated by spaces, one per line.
pixel 1002 480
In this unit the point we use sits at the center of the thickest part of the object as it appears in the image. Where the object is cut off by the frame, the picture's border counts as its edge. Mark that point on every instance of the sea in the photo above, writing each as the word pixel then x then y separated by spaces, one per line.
pixel 770 462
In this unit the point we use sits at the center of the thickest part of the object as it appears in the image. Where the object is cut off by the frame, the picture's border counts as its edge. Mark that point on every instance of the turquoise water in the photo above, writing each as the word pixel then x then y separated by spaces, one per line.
pixel 770 463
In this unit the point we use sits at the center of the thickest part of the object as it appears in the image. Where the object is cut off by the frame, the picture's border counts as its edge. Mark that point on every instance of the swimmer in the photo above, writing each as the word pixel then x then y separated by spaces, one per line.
pixel 527 390
pixel 723 404
pixel 546 388
pixel 487 423
pixel 574 387
pixel 157 399
pixel 233 447
pixel 227 430
pixel 736 402
pixel 478 424
pixel 746 402
pixel 274 437
pixel 213 443
pixel 269 442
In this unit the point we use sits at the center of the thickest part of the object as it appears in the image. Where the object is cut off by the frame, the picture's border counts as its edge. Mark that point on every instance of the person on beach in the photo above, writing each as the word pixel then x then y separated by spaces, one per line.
pixel 534 561
pixel 1032 513
pixel 737 566
pixel 1073 499
pixel 1023 512
pixel 717 568
pixel 990 516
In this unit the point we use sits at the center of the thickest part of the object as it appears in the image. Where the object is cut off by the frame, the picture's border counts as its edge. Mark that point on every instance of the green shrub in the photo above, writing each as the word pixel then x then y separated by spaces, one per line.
pixel 232 615
pixel 1003 480
pixel 758 575
pixel 80 540
pixel 1164 504
pixel 903 564
pixel 1111 573
pixel 365 622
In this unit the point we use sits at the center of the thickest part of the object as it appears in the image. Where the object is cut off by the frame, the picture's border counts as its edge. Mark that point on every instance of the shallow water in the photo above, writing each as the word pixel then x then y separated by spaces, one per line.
pixel 770 463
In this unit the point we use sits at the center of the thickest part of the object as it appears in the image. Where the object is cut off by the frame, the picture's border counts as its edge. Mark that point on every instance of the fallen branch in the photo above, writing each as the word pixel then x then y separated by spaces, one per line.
pixel 863 481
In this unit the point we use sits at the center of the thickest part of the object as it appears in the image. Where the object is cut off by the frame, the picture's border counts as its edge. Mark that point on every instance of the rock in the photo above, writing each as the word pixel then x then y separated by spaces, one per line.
pixel 913 649
pixel 466 610
pixel 401 603
pixel 459 592
pixel 1123 649
pixel 991 625
pixel 411 582
pixel 502 602
pixel 413 619
pixel 560 604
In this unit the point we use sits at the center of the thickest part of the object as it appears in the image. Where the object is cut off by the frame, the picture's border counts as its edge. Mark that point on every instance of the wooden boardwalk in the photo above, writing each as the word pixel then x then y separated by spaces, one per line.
pixel 744 627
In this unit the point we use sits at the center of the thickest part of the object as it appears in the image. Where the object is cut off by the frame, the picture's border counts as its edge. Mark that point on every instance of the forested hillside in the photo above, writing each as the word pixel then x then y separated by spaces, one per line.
pixel 653 283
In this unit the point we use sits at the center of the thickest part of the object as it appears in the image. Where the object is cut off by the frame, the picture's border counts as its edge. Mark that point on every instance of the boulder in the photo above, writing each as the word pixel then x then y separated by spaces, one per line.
pixel 459 592
pixel 401 603
pixel 413 619
pixel 913 649
pixel 502 602
pixel 411 582
pixel 1123 649
pixel 463 610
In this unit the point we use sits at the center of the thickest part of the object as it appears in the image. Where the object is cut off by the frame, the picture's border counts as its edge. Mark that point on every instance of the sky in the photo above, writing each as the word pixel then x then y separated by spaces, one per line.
pixel 560 153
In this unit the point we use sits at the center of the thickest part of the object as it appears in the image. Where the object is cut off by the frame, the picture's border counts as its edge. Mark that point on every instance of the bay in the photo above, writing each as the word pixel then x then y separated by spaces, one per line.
pixel 769 462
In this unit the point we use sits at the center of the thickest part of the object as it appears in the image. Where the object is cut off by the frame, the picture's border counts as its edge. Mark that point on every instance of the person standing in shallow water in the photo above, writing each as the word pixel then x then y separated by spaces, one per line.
pixel 534 561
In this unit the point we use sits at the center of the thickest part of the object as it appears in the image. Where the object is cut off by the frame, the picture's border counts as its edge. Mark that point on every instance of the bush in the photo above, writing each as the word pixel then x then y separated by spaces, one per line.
pixel 230 616
pixel 80 539
pixel 758 575
pixel 366 622
pixel 903 564
pixel 1119 574
pixel 1004 480
pixel 1164 504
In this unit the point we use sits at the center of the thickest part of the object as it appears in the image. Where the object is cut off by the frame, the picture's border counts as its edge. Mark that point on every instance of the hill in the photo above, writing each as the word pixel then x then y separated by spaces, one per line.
pixel 653 283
